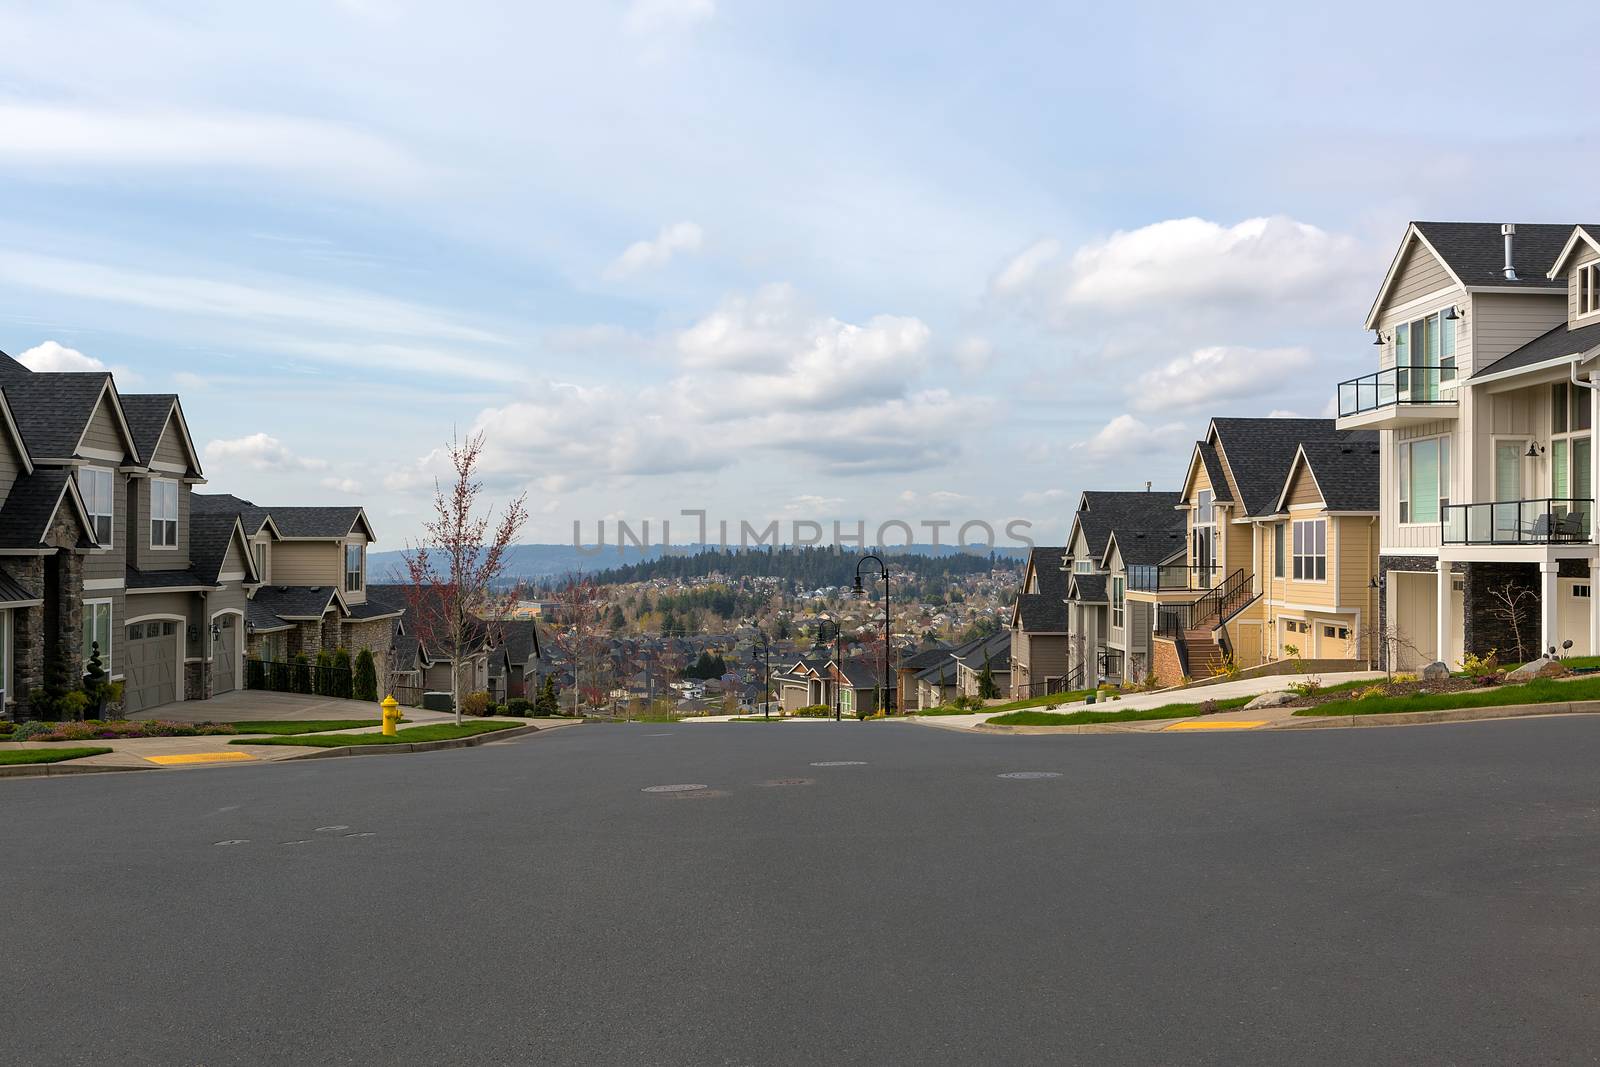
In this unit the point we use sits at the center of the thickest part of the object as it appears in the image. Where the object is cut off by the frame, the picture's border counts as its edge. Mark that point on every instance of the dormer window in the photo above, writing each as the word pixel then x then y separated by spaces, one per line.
pixel 163 513
pixel 1588 289
pixel 98 489
pixel 1083 566
pixel 355 561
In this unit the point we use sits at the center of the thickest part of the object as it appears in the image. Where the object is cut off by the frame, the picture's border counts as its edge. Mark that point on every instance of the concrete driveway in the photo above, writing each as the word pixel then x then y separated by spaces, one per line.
pixel 246 704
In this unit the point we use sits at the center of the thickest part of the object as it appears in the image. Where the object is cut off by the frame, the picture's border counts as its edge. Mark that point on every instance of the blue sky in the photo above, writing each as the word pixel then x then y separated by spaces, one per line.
pixel 819 261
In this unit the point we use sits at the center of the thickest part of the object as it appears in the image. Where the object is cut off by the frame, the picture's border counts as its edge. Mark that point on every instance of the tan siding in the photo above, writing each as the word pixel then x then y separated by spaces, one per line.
pixel 1420 273
pixel 10 467
pixel 1303 489
pixel 171 450
pixel 233 559
pixel 111 563
pixel 1584 254
pixel 158 559
pixel 1501 322
pixel 1309 592
pixel 103 432
pixel 307 563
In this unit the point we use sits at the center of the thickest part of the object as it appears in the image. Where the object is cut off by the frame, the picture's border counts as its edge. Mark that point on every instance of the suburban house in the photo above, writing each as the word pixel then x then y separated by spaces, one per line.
pixel 431 666
pixel 992 653
pixel 804 683
pixel 313 590
pixel 1130 622
pixel 1209 606
pixel 1145 519
pixel 97 548
pixel 909 666
pixel 935 684
pixel 1039 626
pixel 859 681
pixel 513 666
pixel 1484 401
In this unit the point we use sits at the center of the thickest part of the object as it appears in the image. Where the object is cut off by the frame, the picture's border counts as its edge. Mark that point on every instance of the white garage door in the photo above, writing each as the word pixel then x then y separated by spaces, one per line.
pixel 151 665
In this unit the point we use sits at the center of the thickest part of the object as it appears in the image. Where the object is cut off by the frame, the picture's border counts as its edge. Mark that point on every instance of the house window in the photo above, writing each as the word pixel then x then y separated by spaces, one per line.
pixel 1204 536
pixel 1424 479
pixel 1119 586
pixel 1083 566
pixel 354 561
pixel 98 490
pixel 163 513
pixel 1589 289
pixel 1424 356
pixel 1278 553
pixel 1580 590
pixel 1571 451
pixel 1339 633
pixel 1311 550
pixel 260 551
pixel 97 631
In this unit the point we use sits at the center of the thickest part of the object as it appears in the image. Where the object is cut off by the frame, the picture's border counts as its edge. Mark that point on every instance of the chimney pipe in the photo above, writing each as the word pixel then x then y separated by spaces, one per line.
pixel 1147 487
pixel 1508 231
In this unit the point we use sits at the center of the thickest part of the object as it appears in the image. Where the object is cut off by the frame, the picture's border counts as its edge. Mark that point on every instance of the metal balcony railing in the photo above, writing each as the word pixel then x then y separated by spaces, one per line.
pixel 1171 577
pixel 1541 521
pixel 1395 385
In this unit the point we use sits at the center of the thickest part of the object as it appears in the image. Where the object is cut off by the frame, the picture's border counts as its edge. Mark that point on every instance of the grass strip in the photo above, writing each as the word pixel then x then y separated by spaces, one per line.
pixel 14 756
pixel 1538 691
pixel 308 726
pixel 438 732
pixel 1080 718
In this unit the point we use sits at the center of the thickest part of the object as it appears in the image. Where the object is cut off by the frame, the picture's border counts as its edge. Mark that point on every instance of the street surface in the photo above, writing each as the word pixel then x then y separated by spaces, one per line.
pixel 1411 895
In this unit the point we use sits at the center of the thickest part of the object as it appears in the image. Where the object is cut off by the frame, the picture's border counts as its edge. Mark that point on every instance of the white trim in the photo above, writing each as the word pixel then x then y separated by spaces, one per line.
pixel 107 653
pixel 231 576
pixel 111 476
pixel 183 642
pixel 1578 232
pixel 1418 302
pixel 1548 364
pixel 101 453
pixel 132 447
pixel 1538 290
pixel 242 639
pixel 90 584
pixel 177 515
pixel 169 468
pixel 1394 269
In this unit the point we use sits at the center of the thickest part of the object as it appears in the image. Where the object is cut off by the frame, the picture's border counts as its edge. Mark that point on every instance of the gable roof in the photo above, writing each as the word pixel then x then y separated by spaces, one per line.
pixel 149 415
pixel 994 649
pixel 1259 452
pixel 1473 253
pixel 1345 471
pixel 1146 546
pixel 53 410
pixel 1046 610
pixel 928 657
pixel 253 518
pixel 1585 233
pixel 209 537
pixel 319 522
pixel 32 504
pixel 299 601
pixel 1552 346
pixel 1099 512
pixel 1087 588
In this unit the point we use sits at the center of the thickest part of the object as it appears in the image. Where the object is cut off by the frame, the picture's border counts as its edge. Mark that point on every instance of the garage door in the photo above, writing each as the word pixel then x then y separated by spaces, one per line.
pixel 225 655
pixel 151 665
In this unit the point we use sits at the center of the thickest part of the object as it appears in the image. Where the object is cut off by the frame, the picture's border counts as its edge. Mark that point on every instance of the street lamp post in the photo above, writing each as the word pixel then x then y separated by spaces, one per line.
pixel 883 571
pixel 766 682
pixel 838 638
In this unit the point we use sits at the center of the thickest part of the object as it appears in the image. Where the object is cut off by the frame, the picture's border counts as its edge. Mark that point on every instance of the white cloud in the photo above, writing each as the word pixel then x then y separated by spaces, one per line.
pixel 1215 374
pixel 1023 269
pixel 72 138
pixel 341 485
pixel 1126 435
pixel 54 356
pixel 643 255
pixel 651 16
pixel 259 451
pixel 974 355
pixel 1045 496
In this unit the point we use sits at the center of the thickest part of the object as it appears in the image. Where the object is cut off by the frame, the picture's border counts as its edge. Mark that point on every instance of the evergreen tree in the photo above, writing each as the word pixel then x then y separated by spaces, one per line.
pixel 988 689
pixel 365 683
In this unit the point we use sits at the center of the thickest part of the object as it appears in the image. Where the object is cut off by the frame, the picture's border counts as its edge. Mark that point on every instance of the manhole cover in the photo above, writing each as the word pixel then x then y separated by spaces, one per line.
pixel 330 829
pixel 1029 774
pixel 789 781
pixel 235 842
pixel 841 763
pixel 670 788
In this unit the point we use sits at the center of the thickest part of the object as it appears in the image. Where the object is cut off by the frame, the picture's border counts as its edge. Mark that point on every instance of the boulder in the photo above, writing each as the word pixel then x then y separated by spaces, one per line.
pixel 1269 700
pixel 1539 668
pixel 1436 672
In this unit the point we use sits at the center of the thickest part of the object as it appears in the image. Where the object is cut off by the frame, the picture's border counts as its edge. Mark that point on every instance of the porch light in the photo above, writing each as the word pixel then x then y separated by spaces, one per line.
pixel 1377 338
pixel 1535 450
pixel 1451 314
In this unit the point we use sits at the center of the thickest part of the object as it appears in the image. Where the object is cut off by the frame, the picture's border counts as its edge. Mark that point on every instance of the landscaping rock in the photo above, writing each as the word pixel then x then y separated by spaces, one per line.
pixel 1436 672
pixel 1269 700
pixel 1539 668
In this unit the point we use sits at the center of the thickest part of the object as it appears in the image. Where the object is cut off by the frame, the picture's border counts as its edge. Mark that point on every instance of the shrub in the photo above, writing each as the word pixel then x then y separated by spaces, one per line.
pixel 1310 687
pixel 342 682
pixel 477 703
pixel 1478 666
pixel 519 706
pixel 6 728
pixel 322 678
pixel 1229 668
pixel 365 684
pixel 1403 678
pixel 72 705
pixel 302 673
pixel 27 731
pixel 1372 692
pixel 968 703
pixel 814 711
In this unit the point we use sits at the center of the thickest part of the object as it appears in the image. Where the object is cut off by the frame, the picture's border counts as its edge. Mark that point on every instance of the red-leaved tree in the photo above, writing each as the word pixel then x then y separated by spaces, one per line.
pixel 456 595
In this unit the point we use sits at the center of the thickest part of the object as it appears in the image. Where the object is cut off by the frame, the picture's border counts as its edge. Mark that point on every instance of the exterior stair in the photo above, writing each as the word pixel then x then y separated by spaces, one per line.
pixel 1204 653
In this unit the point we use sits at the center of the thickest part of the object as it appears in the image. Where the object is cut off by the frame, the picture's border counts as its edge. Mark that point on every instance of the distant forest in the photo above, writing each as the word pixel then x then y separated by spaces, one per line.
pixel 805 568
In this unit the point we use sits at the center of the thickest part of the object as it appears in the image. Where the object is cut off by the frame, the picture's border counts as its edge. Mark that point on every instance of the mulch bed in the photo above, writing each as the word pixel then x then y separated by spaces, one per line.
pixel 1394 689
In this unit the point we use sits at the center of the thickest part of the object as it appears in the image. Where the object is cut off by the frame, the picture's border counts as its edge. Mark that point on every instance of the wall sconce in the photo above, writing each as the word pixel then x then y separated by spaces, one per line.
pixel 1377 338
pixel 1535 450
pixel 1452 314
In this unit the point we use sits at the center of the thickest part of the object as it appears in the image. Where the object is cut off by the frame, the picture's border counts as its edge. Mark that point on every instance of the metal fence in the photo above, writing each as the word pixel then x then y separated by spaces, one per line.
pixel 309 678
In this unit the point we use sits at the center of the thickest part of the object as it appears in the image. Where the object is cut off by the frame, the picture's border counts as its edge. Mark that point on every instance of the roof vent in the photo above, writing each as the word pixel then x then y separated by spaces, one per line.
pixel 1509 231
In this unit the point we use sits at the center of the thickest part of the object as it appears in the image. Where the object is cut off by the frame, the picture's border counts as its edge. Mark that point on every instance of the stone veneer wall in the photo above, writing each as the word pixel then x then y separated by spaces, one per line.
pixel 1164 663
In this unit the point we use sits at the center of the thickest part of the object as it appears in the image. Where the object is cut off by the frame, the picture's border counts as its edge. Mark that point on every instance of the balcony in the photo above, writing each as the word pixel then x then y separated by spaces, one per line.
pixel 1171 578
pixel 1397 396
pixel 1543 521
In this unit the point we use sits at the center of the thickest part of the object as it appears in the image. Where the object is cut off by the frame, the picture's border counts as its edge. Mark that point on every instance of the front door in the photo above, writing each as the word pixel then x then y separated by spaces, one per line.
pixel 225 655
pixel 1507 487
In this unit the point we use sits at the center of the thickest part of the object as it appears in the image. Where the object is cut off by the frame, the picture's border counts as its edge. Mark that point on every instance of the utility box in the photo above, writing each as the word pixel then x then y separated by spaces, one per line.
pixel 437 702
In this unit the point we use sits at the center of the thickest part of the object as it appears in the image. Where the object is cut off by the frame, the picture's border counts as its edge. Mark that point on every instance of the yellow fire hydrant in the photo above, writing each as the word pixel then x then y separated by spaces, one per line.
pixel 391 715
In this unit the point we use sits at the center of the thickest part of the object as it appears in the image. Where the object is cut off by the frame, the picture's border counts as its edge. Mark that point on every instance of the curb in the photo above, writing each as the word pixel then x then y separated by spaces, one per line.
pixel 1422 718
pixel 50 770
pixel 425 746
pixel 1076 728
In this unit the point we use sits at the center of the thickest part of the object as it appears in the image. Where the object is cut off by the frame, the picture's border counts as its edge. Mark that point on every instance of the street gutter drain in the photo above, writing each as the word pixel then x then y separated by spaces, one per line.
pixel 841 763
pixel 670 788
pixel 1029 774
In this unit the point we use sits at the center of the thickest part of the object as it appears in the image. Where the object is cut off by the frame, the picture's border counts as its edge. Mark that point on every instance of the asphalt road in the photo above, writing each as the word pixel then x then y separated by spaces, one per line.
pixel 1421 895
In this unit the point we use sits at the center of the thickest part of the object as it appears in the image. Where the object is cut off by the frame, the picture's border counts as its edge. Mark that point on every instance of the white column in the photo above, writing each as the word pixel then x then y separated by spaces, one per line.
pixel 1548 605
pixel 1442 591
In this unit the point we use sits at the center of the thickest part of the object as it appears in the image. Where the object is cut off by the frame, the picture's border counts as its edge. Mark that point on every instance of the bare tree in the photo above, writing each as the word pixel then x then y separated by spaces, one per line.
pixel 582 639
pixel 1510 605
pixel 455 593
pixel 1391 642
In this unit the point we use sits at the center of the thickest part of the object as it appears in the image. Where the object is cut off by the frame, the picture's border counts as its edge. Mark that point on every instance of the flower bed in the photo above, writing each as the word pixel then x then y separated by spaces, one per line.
pixel 114 729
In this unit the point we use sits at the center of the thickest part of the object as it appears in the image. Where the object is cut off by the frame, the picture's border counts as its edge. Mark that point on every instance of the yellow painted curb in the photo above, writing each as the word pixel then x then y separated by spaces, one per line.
pixel 1234 724
pixel 200 757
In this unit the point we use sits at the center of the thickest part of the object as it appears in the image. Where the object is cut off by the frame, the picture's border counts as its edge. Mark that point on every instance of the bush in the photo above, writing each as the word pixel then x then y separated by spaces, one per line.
pixel 1372 692
pixel 1308 688
pixel 519 706
pixel 6 728
pixel 968 703
pixel 27 731
pixel 302 673
pixel 814 711
pixel 477 703
pixel 114 729
pixel 1479 666
pixel 365 684
pixel 322 678
pixel 341 681
pixel 1403 678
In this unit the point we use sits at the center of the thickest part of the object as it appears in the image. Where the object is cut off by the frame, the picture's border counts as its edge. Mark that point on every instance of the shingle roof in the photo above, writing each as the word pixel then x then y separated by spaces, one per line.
pixel 521 639
pixel 374 609
pixel 1259 452
pixel 52 410
pixel 262 617
pixel 138 579
pixel 403 652
pixel 11 370
pixel 10 591
pixel 294 601
pixel 1475 251
pixel 924 659
pixel 209 536
pixel 860 674
pixel 30 506
pixel 1046 610
pixel 1346 471
pixel 996 648
pixel 1151 545
pixel 1101 512
pixel 314 522
pixel 147 415
pixel 1552 344
pixel 1213 464
pixel 228 504
pixel 1087 588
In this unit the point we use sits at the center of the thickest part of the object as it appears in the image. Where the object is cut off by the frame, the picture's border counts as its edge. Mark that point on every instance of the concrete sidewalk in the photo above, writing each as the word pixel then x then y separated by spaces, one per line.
pixel 1139 701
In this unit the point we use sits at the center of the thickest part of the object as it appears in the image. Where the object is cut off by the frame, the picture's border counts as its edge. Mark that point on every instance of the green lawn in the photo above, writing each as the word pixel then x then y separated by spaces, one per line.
pixel 1538 691
pixel 757 718
pixel 309 726
pixel 46 755
pixel 1016 705
pixel 1078 718
pixel 439 732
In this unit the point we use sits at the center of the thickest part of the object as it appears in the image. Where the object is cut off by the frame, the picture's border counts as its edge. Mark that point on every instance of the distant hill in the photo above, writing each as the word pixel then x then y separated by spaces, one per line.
pixel 536 562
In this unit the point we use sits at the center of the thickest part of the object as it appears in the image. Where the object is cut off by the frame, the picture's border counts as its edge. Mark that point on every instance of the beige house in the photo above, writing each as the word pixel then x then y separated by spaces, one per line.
pixel 1484 403
pixel 1146 521
pixel 1039 626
